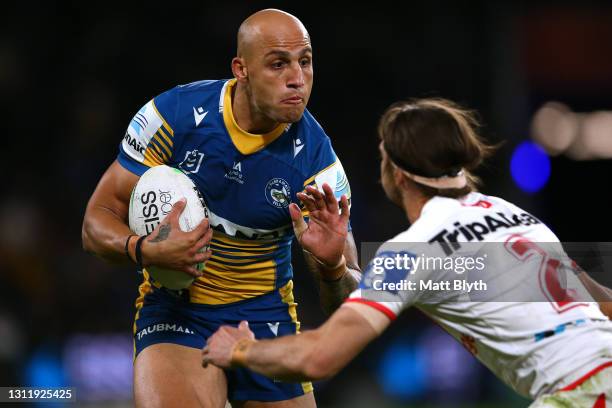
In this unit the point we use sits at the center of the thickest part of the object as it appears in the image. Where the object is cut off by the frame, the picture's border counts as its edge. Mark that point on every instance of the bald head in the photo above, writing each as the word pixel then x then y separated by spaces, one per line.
pixel 269 28
pixel 273 70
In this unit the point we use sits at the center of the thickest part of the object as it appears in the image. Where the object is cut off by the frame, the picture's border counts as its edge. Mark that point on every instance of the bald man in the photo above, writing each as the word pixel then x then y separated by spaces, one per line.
pixel 252 149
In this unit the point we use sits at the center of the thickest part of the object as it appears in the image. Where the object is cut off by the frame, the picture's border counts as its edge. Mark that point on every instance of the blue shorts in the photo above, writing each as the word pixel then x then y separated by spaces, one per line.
pixel 167 317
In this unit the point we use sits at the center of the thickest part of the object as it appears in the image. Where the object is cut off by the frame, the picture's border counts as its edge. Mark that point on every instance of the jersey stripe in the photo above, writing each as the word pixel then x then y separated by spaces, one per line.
pixel 158 151
pixel 168 140
pixel 150 160
pixel 227 283
pixel 164 123
pixel 386 311
pixel 158 139
pixel 585 377
pixel 311 179
pixel 229 242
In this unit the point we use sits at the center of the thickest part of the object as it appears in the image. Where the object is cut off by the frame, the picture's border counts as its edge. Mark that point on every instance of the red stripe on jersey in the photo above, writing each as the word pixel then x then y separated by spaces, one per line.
pixel 585 377
pixel 601 401
pixel 385 310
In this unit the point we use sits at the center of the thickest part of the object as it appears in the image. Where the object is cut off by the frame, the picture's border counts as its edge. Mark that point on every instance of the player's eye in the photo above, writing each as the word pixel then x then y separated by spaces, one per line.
pixel 305 62
pixel 278 64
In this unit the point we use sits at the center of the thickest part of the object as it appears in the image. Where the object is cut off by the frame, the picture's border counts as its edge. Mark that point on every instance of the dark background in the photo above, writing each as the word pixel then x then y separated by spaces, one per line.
pixel 72 76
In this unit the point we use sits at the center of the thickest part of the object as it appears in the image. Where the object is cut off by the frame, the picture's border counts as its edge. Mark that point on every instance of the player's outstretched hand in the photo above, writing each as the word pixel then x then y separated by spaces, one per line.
pixel 221 346
pixel 170 247
pixel 324 235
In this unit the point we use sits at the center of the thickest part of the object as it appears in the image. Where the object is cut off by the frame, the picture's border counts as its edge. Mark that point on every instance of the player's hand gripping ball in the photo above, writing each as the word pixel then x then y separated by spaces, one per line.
pixel 153 197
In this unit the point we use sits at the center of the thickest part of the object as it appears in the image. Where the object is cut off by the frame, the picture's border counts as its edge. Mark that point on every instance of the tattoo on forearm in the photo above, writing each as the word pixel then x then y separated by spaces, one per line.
pixel 164 231
pixel 333 293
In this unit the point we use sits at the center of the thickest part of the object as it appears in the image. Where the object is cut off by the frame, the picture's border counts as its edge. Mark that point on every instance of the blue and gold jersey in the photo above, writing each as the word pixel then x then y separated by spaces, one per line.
pixel 247 180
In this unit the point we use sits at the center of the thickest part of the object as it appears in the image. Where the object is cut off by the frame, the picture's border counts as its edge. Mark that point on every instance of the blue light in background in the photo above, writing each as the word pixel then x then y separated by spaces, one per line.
pixel 530 167
pixel 44 369
pixel 401 371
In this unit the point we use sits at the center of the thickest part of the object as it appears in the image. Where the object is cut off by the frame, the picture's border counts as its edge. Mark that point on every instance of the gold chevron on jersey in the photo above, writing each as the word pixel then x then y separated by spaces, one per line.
pixel 226 283
pixel 238 269
pixel 165 124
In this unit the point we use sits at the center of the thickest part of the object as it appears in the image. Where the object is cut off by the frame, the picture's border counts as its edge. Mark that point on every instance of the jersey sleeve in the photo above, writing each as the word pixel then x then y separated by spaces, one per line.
pixel 149 138
pixel 385 284
pixel 327 168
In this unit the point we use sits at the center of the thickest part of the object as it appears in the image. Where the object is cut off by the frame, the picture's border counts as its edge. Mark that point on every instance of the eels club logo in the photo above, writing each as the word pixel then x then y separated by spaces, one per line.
pixel 278 193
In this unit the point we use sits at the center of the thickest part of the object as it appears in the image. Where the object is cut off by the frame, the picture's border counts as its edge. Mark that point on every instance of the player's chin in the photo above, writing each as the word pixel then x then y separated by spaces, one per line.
pixel 291 114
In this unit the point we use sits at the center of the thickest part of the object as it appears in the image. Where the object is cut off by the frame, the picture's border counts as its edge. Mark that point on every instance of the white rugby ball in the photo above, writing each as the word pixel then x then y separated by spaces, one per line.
pixel 153 197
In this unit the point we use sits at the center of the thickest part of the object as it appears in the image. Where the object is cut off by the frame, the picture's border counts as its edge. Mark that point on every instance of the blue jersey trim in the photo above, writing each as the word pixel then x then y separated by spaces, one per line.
pixel 130 164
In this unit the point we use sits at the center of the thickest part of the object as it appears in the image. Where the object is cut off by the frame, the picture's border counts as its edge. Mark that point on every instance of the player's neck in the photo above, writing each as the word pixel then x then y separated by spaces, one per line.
pixel 245 116
pixel 413 205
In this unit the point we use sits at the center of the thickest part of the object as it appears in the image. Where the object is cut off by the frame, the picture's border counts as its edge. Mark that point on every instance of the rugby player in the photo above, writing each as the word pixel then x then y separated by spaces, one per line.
pixel 555 349
pixel 250 146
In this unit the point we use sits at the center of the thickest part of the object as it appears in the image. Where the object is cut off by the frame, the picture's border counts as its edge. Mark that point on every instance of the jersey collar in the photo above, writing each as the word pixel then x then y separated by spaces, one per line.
pixel 245 142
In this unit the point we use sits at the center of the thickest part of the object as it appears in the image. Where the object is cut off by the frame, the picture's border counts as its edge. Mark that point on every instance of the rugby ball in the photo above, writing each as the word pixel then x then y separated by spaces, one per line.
pixel 153 197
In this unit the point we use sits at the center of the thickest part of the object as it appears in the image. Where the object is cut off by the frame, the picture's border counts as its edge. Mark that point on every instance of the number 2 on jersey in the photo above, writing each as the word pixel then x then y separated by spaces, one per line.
pixel 549 276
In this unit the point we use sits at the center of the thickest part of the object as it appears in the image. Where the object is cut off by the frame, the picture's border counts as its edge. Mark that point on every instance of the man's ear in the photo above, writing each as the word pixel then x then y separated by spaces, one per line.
pixel 239 69
pixel 399 177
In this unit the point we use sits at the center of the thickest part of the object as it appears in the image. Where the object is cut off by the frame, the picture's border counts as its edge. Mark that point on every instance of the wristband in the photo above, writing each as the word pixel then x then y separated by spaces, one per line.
pixel 138 253
pixel 239 352
pixel 127 247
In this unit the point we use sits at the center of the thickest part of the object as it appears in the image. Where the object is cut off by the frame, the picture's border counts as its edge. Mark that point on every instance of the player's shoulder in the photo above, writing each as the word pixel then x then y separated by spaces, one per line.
pixel 497 203
pixel 443 215
pixel 202 86
pixel 309 129
pixel 184 95
pixel 406 242
pixel 436 213
pixel 475 216
pixel 188 102
pixel 205 93
pixel 440 213
pixel 168 103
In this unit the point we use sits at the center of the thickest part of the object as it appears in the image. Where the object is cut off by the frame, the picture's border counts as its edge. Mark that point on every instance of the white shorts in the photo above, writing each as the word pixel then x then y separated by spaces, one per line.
pixel 591 391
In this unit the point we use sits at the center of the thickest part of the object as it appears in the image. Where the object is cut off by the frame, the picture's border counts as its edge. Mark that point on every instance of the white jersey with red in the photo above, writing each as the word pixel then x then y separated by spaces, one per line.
pixel 534 326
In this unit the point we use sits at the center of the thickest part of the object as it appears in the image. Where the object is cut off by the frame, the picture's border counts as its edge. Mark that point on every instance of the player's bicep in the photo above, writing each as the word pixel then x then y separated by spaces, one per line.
pixel 113 191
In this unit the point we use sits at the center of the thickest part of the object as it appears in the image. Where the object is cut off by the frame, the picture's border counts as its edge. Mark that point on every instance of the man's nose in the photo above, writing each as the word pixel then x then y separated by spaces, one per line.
pixel 296 76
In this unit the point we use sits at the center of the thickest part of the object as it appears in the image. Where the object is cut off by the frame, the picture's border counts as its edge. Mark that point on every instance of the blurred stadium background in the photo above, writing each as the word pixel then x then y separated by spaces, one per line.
pixel 72 75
